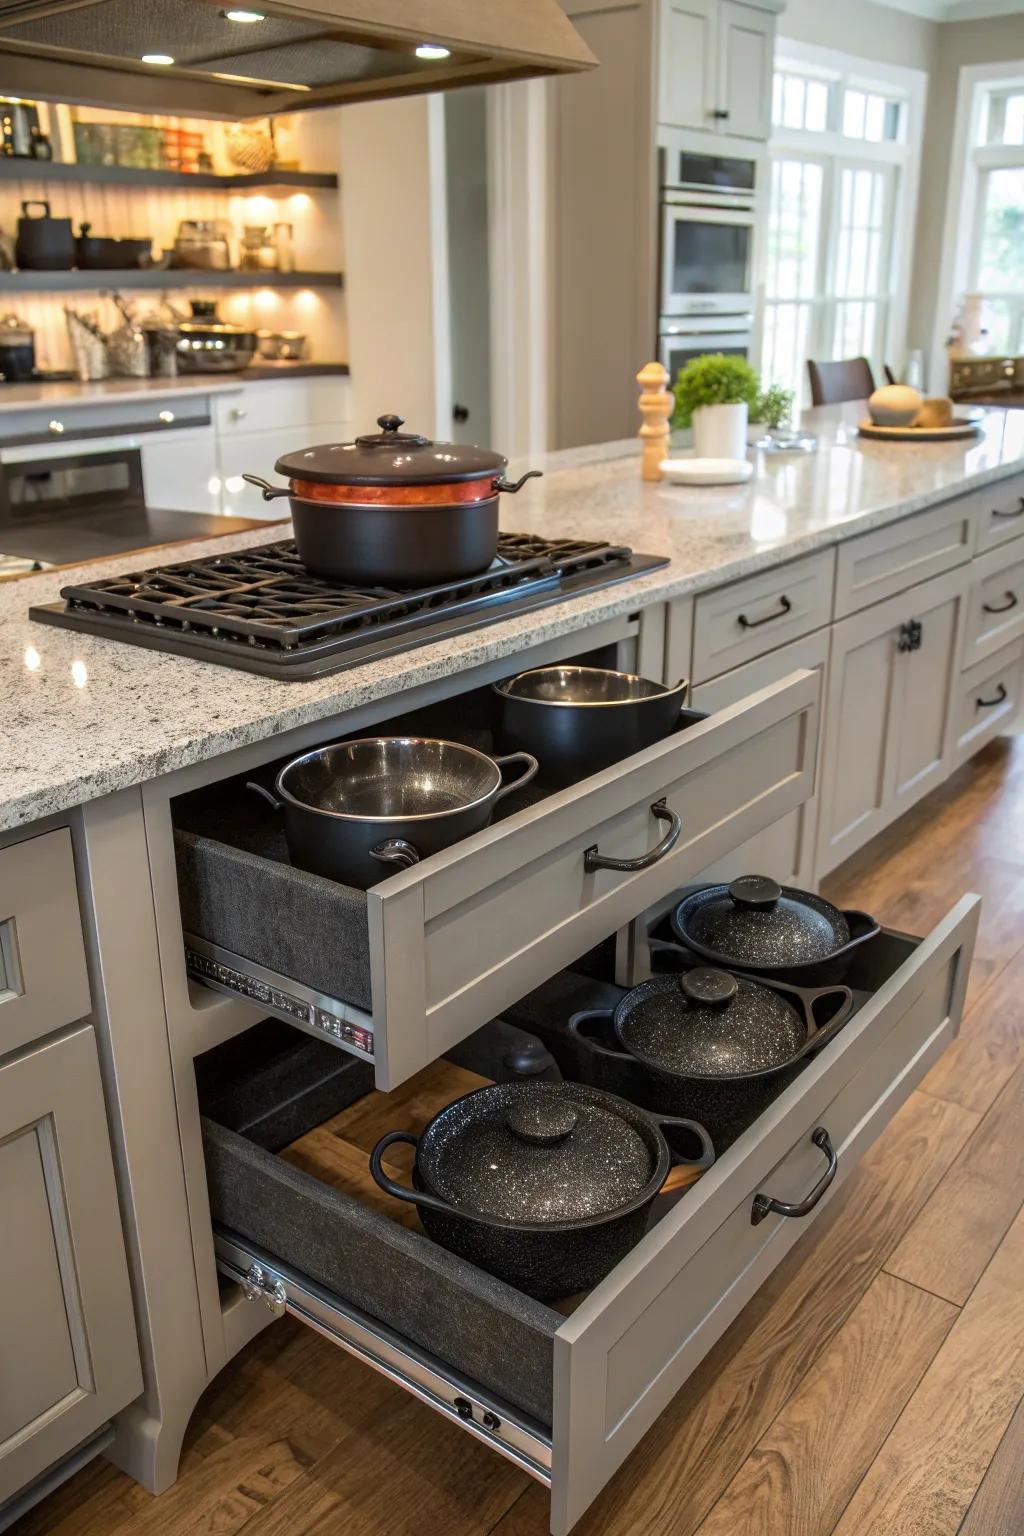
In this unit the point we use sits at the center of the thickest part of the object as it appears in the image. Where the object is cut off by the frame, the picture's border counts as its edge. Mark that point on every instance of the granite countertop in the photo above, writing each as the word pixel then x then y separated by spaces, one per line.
pixel 71 393
pixel 84 716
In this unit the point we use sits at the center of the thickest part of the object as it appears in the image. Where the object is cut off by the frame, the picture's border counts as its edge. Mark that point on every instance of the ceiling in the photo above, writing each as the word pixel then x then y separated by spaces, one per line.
pixel 958 10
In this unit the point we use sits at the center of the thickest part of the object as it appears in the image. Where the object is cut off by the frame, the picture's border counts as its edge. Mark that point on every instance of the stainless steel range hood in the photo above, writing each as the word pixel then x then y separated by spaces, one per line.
pixel 274 57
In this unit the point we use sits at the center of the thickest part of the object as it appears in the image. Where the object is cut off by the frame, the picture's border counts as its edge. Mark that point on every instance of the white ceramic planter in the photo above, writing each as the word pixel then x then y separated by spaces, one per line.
pixel 720 431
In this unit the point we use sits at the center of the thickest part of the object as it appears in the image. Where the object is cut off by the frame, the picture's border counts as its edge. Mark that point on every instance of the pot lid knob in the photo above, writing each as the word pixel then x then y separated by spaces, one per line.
pixel 389 435
pixel 755 893
pixel 541 1120
pixel 708 987
pixel 390 423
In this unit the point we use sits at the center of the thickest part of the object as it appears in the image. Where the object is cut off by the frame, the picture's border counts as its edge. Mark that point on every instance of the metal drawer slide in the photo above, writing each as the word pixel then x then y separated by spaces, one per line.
pixel 505 1429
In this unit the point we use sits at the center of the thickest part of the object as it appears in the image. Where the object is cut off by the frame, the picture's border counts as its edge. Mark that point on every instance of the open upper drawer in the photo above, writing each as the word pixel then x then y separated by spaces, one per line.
pixel 568 1396
pixel 404 971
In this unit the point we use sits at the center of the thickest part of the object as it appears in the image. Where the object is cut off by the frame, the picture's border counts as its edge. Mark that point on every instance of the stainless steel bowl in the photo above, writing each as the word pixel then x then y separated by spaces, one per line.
pixel 577 720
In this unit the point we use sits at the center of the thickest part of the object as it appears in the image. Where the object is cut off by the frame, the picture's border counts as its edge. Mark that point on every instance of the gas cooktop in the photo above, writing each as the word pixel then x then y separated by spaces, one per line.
pixel 260 609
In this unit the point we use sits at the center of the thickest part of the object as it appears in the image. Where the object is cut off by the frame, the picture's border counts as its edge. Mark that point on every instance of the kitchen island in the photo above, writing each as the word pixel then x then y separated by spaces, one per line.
pixel 844 618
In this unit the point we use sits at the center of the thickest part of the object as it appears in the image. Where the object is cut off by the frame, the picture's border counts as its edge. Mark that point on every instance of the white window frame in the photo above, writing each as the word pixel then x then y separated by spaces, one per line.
pixel 835 150
pixel 971 159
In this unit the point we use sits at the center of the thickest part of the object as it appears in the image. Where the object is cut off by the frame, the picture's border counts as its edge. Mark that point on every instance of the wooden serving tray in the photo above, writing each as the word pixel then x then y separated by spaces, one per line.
pixel 919 434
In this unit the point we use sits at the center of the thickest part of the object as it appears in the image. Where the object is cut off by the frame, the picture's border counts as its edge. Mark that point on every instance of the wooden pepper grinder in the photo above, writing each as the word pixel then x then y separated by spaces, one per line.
pixel 656 406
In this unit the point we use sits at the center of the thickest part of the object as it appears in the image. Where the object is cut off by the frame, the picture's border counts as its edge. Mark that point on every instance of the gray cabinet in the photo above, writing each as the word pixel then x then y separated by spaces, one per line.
pixel 39 924
pixel 69 1357
pixel 688 83
pixel 888 719
pixel 746 45
pixel 715 67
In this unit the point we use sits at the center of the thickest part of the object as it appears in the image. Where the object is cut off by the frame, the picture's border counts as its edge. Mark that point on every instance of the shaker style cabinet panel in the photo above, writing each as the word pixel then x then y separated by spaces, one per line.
pixel 688 82
pixel 877 565
pixel 43 980
pixel 989 698
pixel 746 45
pixel 888 718
pixel 995 609
pixel 734 624
pixel 69 1356
pixel 999 513
pixel 179 470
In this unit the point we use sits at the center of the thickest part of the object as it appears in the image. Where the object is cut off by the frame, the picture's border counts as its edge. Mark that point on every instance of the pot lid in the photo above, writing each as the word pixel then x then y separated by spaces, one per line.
pixel 15 331
pixel 708 1023
pixel 390 457
pixel 536 1153
pixel 755 921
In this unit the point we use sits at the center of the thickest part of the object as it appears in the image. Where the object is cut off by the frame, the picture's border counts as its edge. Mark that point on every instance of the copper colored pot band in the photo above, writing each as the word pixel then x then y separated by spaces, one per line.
pixel 441 495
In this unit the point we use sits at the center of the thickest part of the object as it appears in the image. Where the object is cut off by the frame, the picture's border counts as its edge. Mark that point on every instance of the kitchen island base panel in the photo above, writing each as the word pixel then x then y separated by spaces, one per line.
pixel 629 1345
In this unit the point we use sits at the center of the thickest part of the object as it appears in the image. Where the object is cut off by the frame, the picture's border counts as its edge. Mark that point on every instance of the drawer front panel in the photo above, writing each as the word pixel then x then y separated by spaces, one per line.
pixel 999 513
pixel 621 1357
pixel 995 611
pixel 273 405
pixel 142 413
pixel 880 564
pixel 481 924
pixel 738 623
pixel 43 980
pixel 989 700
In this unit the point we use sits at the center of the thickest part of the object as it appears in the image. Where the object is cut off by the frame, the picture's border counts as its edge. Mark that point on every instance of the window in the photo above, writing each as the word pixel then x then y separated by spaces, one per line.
pixel 996 268
pixel 840 146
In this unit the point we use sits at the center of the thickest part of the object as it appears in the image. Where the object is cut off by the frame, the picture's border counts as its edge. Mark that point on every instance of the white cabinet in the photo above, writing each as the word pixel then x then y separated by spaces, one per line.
pixel 262 421
pixel 715 67
pixel 888 718
pixel 69 1357
pixel 179 470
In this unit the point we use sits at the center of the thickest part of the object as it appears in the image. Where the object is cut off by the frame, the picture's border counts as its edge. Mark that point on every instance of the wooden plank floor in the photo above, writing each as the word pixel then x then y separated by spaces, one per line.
pixel 875 1385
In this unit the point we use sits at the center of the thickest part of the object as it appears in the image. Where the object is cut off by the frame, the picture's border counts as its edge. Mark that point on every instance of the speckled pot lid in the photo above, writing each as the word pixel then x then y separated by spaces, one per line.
pixel 390 457
pixel 754 921
pixel 535 1153
pixel 708 1023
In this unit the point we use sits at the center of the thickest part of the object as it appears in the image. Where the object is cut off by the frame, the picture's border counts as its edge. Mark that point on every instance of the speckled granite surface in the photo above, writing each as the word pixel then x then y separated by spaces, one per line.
pixel 70 395
pixel 83 716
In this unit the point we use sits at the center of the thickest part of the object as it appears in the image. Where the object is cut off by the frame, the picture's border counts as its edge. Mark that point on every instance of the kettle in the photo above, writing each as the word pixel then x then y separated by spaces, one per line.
pixel 44 244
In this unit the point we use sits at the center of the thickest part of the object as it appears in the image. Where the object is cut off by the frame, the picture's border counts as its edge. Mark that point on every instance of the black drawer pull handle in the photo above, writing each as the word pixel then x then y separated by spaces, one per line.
pixel 764 1205
pixel 1000 698
pixel 1011 602
pixel 1017 511
pixel 593 860
pixel 785 606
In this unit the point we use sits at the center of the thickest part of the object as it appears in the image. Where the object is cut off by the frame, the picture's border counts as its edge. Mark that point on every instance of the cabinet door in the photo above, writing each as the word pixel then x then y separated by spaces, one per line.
pixel 69 1356
pixel 179 470
pixel 255 453
pixel 786 849
pixel 687 84
pixel 888 716
pixel 746 39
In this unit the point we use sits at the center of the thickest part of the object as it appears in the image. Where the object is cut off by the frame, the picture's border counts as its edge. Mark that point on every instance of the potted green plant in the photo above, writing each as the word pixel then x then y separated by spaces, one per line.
pixel 713 395
pixel 774 408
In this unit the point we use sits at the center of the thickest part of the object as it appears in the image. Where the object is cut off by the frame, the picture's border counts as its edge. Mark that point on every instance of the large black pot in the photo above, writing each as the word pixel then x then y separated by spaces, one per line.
pixel 785 934
pixel 358 811
pixel 393 508
pixel 729 1075
pixel 578 720
pixel 546 1185
pixel 17 351
pixel 44 244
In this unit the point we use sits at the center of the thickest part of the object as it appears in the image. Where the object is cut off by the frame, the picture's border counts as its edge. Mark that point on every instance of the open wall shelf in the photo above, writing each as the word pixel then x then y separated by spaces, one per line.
pixel 24 168
pixel 161 278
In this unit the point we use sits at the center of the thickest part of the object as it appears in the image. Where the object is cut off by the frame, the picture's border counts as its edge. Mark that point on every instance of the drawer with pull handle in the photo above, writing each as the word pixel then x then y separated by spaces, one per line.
pixel 402 972
pixel 735 624
pixel 988 700
pixel 995 604
pixel 999 513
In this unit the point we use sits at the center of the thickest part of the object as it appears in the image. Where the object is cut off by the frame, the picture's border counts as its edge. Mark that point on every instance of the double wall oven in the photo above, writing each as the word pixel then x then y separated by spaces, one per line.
pixel 712 208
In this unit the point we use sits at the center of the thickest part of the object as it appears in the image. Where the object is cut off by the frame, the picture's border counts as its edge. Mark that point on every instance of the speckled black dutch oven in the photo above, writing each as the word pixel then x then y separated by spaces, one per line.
pixel 546 1185
pixel 784 934
pixel 707 1042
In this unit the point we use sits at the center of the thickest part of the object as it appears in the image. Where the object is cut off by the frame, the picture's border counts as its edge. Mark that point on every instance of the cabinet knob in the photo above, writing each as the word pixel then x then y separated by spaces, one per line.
pixel 56 427
pixel 720 114
pixel 166 417
pixel 238 413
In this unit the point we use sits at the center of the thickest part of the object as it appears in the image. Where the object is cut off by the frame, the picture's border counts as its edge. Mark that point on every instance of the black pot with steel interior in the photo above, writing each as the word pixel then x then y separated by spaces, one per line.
pixel 784 934
pixel 578 720
pixel 546 1185
pixel 394 508
pixel 706 1042
pixel 358 811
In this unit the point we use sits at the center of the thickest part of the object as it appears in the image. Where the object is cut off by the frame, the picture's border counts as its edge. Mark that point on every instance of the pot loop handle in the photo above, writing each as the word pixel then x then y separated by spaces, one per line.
pixel 271 799
pixel 529 773
pixel 396 851
pixel 673 1126
pixel 402 1191
pixel 511 486
pixel 269 491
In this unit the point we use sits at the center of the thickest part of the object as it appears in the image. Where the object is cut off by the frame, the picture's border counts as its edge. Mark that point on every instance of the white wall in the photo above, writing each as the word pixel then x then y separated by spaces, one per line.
pixel 862 27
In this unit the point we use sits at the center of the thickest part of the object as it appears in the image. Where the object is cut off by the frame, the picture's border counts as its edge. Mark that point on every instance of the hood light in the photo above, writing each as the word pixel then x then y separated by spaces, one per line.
pixel 243 16
pixel 157 58
pixel 433 51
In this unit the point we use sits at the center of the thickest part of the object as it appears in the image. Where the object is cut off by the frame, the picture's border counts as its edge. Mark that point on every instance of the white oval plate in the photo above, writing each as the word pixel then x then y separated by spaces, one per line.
pixel 706 471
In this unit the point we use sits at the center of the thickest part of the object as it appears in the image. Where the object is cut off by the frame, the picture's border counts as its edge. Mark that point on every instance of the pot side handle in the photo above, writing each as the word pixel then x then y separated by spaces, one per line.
pixel 271 799
pixel 396 851
pixel 820 1035
pixel 529 772
pixel 268 491
pixel 402 1191
pixel 862 925
pixel 578 1021
pixel 672 1126
pixel 511 486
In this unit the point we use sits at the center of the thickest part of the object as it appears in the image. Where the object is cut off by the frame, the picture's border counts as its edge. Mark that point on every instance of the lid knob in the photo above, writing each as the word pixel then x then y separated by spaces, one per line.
pixel 755 893
pixel 707 987
pixel 390 423
pixel 541 1120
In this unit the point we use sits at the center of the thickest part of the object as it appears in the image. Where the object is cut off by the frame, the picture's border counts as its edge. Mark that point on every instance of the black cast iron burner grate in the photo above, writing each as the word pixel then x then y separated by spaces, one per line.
pixel 260 609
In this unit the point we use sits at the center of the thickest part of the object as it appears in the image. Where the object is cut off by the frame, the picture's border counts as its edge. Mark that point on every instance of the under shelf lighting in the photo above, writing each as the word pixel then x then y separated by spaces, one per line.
pixel 432 51
pixel 243 16
pixel 157 58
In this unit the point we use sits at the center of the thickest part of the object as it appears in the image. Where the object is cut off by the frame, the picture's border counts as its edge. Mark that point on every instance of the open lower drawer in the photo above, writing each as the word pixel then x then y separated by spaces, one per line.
pixel 402 972
pixel 570 1395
